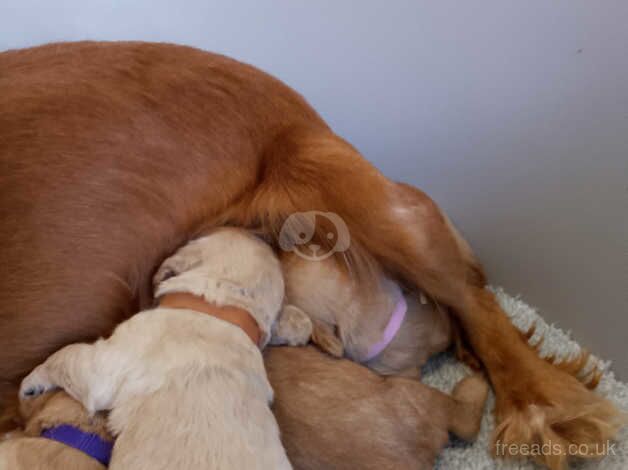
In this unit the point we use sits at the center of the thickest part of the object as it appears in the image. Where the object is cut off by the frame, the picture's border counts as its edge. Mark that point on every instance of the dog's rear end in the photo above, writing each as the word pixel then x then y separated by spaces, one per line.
pixel 26 450
pixel 162 140
pixel 336 414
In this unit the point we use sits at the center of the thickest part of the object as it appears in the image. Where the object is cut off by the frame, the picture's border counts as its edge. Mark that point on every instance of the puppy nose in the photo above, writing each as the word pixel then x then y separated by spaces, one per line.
pixel 314 247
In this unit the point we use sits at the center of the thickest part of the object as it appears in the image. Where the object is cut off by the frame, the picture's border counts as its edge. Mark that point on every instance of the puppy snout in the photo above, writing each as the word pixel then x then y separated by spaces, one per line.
pixel 314 247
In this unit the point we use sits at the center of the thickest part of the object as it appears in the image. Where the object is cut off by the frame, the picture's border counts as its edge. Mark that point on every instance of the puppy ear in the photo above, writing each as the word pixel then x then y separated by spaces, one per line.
pixel 164 273
pixel 292 327
pixel 325 337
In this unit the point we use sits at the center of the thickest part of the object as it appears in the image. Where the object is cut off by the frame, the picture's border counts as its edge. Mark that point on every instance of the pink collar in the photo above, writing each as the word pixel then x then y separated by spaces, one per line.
pixel 392 328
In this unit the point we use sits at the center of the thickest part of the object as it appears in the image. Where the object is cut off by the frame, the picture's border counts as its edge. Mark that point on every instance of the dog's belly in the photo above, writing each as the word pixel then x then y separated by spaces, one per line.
pixel 113 154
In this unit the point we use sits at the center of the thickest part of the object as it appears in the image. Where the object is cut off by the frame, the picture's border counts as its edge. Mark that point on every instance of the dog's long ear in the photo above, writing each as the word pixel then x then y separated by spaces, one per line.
pixel 292 327
pixel 325 337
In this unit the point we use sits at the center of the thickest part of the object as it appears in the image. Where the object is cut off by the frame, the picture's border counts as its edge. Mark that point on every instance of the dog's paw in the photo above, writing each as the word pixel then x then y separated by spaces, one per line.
pixel 293 327
pixel 35 384
pixel 561 414
pixel 325 336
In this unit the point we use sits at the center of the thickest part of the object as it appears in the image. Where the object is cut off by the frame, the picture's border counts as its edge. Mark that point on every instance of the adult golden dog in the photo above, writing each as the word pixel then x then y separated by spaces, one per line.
pixel 114 154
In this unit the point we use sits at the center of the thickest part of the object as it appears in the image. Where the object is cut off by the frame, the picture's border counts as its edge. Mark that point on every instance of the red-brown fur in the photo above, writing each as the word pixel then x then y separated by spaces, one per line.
pixel 114 154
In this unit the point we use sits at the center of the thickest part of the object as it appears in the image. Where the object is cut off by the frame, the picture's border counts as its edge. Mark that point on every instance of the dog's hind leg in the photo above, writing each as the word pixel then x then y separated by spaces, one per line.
pixel 536 402
pixel 405 231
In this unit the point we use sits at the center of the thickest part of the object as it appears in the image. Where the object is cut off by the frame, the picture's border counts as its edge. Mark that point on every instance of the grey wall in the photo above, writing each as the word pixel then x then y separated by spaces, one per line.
pixel 512 115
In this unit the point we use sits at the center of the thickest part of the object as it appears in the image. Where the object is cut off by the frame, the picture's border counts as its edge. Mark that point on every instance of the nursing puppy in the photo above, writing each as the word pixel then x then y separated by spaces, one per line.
pixel 337 415
pixel 40 446
pixel 387 329
pixel 186 388
pixel 407 421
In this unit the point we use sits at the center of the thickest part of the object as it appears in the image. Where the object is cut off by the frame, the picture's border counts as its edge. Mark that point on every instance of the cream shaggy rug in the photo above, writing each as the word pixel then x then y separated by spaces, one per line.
pixel 444 371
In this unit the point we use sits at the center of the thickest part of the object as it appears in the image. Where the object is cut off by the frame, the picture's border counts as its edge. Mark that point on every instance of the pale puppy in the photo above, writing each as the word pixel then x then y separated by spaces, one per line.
pixel 186 390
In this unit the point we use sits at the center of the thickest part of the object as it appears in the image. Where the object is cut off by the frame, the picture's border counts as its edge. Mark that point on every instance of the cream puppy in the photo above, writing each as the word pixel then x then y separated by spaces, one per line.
pixel 186 390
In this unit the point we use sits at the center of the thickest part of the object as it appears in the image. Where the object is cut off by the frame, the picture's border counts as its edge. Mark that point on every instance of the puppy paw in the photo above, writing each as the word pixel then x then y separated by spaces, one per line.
pixel 325 336
pixel 36 383
pixel 293 327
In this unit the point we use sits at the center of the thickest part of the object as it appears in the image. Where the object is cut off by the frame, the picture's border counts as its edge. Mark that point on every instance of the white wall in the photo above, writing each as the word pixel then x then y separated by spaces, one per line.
pixel 513 115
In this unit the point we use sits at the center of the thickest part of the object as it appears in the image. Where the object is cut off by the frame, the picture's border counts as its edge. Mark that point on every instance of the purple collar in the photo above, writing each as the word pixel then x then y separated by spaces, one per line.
pixel 88 443
pixel 392 328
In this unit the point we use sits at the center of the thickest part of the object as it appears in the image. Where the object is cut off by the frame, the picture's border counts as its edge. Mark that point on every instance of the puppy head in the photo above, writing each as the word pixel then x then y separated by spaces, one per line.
pixel 314 235
pixel 347 318
pixel 228 267
pixel 191 256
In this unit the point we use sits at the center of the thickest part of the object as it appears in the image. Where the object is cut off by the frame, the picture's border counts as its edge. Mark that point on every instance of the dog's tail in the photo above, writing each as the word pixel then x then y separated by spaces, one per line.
pixel 307 170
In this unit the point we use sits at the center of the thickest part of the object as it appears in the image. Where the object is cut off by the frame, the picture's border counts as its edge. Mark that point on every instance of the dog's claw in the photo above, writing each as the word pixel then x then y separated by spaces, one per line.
pixel 35 384
pixel 36 390
pixel 32 392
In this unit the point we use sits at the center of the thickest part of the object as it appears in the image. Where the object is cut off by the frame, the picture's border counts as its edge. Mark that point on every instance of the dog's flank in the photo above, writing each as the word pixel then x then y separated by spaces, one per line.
pixel 151 144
